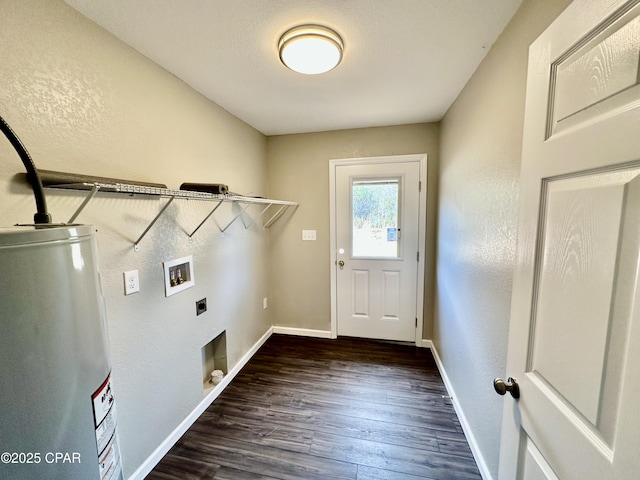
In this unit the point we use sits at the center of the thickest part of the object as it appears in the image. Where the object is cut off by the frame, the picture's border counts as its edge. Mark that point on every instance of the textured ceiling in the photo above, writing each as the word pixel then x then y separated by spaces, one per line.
pixel 405 61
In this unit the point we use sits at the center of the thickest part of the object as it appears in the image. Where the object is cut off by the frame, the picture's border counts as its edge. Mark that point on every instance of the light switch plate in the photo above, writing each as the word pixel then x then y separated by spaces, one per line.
pixel 131 282
pixel 308 234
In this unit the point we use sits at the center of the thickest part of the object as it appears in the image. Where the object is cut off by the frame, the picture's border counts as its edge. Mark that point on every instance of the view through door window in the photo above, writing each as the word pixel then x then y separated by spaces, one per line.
pixel 375 232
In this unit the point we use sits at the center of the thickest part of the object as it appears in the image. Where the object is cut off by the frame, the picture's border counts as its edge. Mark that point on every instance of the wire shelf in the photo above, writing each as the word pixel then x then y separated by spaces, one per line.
pixel 132 189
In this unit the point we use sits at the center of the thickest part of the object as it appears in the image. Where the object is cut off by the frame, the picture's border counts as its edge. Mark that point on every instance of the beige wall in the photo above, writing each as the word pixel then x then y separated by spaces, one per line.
pixel 84 102
pixel 480 149
pixel 298 169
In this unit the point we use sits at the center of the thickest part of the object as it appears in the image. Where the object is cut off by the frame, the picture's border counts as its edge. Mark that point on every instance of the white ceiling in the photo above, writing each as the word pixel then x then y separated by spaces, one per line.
pixel 405 61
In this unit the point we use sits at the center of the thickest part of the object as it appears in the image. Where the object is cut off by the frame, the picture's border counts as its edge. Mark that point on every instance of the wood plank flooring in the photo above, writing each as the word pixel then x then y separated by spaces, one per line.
pixel 315 409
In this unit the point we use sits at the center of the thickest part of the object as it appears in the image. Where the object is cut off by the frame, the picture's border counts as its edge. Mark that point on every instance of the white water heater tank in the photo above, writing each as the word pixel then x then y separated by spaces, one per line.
pixel 57 411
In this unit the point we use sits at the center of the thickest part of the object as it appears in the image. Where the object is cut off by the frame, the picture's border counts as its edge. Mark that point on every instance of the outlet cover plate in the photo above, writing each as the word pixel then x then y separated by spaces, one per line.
pixel 131 282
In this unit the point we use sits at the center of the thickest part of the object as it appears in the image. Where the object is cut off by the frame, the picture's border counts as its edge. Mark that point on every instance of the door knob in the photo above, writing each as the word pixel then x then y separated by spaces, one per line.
pixel 341 263
pixel 510 386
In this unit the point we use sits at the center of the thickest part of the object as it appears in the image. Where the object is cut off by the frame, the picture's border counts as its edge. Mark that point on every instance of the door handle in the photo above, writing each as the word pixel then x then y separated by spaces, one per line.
pixel 510 386
pixel 341 263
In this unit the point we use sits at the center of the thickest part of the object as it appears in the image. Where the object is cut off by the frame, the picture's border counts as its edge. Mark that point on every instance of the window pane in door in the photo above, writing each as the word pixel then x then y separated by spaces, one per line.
pixel 374 217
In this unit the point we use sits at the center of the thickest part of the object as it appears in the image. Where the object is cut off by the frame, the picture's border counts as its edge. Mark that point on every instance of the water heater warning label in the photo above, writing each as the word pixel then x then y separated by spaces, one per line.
pixel 104 417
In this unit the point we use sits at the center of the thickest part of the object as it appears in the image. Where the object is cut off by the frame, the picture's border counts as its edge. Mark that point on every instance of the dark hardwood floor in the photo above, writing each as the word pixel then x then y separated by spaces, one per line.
pixel 308 408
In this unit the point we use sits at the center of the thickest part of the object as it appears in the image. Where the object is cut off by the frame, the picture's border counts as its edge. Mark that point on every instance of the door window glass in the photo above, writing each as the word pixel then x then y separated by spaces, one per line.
pixel 375 205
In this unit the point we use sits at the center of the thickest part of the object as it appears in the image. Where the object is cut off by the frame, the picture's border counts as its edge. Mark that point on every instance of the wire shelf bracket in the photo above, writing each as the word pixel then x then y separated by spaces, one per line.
pixel 84 203
pixel 166 205
pixel 205 219
pixel 222 230
pixel 253 220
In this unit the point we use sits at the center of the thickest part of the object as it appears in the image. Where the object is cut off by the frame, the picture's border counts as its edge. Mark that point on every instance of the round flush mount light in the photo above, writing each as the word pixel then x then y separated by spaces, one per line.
pixel 310 49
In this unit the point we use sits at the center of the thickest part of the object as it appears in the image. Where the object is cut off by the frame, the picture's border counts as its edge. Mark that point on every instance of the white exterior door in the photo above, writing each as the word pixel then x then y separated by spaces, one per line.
pixel 574 341
pixel 377 218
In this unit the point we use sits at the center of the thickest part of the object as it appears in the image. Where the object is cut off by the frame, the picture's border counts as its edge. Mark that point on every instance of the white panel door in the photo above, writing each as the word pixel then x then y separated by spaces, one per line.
pixel 574 341
pixel 376 216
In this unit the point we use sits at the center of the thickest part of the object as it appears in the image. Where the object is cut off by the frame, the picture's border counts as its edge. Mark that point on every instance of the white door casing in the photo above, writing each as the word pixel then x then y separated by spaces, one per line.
pixel 575 317
pixel 374 297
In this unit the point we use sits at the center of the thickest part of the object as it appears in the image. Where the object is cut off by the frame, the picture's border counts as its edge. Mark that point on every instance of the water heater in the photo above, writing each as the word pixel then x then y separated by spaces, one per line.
pixel 57 411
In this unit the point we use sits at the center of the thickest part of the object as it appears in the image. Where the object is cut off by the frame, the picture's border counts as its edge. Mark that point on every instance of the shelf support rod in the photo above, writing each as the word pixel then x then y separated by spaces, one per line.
pixel 206 218
pixel 276 216
pixel 166 205
pixel 235 218
pixel 260 215
pixel 84 203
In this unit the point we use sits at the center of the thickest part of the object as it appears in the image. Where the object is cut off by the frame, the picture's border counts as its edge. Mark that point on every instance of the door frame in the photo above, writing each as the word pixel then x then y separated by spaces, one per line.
pixel 422 221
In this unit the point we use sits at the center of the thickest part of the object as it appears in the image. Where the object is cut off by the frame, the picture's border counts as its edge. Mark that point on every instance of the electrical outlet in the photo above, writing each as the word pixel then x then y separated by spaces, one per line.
pixel 131 282
pixel 201 306
pixel 264 303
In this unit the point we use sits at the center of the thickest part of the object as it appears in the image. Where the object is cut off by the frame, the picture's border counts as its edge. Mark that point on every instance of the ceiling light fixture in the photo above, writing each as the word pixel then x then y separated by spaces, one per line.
pixel 310 49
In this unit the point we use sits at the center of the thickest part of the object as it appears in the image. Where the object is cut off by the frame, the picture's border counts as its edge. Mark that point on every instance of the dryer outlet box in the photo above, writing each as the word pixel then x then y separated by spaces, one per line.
pixel 201 306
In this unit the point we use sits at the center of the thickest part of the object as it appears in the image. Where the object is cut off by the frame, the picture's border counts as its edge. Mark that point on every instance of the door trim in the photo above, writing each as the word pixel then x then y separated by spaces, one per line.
pixel 422 221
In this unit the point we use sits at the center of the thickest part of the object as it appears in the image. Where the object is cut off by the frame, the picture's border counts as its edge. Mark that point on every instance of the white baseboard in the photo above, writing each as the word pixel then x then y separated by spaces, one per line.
pixel 302 332
pixel 471 439
pixel 146 467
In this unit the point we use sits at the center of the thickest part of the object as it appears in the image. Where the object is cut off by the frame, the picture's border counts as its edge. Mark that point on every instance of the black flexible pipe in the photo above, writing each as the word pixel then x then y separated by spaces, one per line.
pixel 41 216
